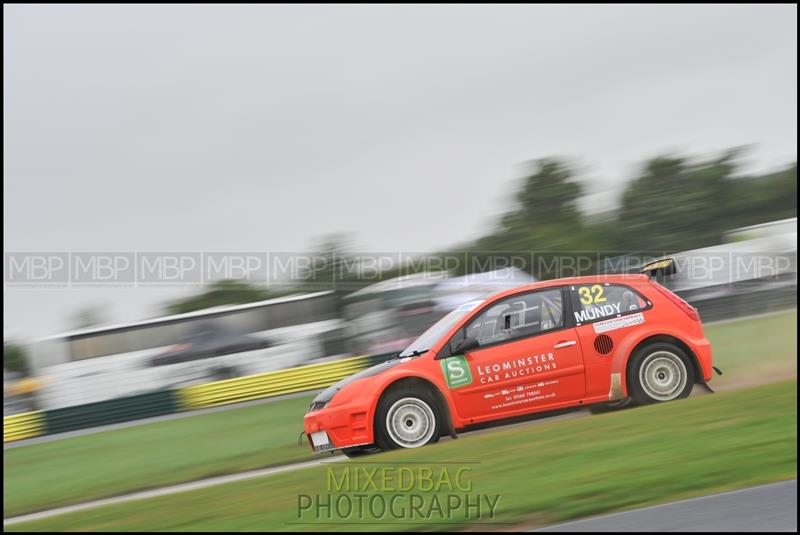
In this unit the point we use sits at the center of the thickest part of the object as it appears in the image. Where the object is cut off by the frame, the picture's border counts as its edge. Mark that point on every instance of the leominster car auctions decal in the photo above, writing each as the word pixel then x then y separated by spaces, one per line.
pixel 511 369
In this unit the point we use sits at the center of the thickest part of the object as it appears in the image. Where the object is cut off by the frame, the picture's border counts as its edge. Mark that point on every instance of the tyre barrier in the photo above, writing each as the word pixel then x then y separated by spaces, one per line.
pixel 270 384
pixel 23 425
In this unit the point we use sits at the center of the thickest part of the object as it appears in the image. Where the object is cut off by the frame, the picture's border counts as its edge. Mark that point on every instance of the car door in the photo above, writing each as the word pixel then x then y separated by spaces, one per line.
pixel 604 315
pixel 528 357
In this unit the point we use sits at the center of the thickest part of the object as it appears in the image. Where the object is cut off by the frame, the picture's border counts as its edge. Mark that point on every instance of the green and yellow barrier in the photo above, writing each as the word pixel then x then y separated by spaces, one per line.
pixel 270 384
pixel 23 425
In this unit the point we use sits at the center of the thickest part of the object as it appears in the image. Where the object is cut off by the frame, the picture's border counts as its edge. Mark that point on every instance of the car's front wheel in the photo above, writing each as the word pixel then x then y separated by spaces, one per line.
pixel 407 418
pixel 660 372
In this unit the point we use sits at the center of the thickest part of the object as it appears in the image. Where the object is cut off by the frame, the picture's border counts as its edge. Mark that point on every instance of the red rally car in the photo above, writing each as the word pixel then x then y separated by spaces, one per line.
pixel 604 341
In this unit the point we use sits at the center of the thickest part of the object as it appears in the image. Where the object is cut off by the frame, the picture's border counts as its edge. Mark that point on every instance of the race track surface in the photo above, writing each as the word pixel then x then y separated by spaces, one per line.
pixel 766 508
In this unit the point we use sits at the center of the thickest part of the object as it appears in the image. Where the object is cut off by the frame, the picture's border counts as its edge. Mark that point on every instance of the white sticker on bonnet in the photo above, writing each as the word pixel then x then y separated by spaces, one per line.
pixel 618 323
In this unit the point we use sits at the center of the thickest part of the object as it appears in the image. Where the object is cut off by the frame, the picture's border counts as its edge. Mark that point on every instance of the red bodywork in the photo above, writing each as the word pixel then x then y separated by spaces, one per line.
pixel 564 374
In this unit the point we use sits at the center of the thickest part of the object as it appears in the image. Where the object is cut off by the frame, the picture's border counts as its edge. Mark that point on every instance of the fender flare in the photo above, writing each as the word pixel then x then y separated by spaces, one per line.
pixel 389 379
pixel 619 364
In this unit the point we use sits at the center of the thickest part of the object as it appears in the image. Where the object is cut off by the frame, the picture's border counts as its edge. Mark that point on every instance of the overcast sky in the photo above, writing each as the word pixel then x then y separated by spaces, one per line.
pixel 259 128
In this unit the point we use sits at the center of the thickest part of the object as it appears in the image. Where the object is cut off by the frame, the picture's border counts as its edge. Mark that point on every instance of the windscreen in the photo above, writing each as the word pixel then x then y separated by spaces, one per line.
pixel 440 328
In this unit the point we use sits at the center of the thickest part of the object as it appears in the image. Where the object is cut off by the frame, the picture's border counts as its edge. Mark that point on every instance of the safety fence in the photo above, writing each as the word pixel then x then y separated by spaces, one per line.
pixel 112 411
pixel 159 403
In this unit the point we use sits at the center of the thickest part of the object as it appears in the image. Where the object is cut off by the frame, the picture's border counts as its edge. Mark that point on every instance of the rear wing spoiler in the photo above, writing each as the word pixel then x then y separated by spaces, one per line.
pixel 659 269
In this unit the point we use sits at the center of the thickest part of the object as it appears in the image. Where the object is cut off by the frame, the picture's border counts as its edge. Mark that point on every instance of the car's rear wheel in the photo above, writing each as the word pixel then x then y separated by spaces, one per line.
pixel 407 418
pixel 620 404
pixel 660 372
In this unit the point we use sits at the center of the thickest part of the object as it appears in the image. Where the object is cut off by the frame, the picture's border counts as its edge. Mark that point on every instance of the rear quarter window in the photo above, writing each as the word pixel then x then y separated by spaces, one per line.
pixel 599 301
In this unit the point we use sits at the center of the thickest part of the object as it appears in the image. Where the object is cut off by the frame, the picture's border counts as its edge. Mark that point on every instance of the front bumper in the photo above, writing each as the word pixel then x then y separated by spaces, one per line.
pixel 346 425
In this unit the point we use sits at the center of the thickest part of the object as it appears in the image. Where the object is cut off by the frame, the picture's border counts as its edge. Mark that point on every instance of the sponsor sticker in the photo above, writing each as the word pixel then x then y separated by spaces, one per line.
pixel 618 323
pixel 456 371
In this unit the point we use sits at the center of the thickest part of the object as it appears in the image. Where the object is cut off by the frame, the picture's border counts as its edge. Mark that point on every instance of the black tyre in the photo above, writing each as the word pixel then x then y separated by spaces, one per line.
pixel 660 372
pixel 618 405
pixel 407 418
pixel 360 451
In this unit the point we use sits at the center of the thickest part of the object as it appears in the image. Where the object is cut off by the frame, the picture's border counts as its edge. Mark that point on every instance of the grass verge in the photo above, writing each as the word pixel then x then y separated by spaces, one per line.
pixel 152 455
pixel 544 473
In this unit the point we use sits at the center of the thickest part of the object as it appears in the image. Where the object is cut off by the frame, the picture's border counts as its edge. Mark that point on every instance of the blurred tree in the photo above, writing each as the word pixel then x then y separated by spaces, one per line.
pixel 86 317
pixel 767 197
pixel 15 358
pixel 219 293
pixel 549 196
pixel 545 219
pixel 677 205
pixel 329 265
pixel 784 187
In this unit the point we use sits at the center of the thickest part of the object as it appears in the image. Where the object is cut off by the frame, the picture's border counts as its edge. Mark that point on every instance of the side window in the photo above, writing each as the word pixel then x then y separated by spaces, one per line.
pixel 601 301
pixel 518 316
